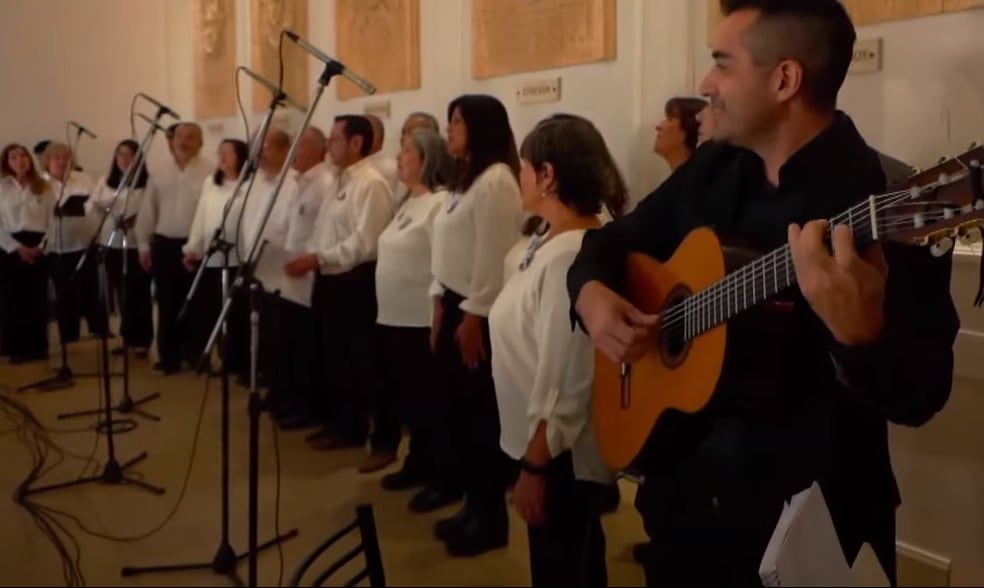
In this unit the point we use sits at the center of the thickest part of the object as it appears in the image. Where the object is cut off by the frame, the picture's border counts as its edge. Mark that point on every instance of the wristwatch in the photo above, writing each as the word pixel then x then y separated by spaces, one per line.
pixel 538 470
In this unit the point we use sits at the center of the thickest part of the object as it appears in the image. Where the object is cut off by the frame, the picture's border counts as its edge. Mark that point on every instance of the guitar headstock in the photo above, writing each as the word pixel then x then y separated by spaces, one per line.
pixel 938 206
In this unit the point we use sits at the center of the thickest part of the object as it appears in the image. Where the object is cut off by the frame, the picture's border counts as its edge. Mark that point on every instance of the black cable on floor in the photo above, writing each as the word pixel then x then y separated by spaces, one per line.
pixel 35 437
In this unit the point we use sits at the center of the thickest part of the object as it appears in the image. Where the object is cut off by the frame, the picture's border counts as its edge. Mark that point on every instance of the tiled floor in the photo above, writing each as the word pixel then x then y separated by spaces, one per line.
pixel 318 494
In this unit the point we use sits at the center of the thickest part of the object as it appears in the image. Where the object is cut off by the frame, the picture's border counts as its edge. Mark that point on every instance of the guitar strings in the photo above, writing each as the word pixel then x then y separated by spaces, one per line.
pixel 704 308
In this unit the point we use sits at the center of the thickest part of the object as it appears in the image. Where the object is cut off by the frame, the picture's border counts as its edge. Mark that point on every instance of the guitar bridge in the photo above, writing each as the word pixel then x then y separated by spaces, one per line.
pixel 625 388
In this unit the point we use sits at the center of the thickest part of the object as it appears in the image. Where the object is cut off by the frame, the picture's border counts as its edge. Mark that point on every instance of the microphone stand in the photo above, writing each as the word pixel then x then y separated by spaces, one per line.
pixel 225 560
pixel 63 377
pixel 113 472
pixel 127 404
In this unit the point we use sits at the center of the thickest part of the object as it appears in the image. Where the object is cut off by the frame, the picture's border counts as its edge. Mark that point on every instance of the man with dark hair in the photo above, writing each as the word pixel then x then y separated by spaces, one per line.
pixel 852 347
pixel 353 126
pixel 342 255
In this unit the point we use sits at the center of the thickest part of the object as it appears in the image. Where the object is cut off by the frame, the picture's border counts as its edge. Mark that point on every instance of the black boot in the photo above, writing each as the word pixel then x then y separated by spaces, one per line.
pixel 448 528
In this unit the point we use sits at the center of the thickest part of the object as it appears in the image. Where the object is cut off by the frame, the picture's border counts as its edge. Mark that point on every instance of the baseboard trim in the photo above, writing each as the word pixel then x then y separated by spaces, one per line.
pixel 921 567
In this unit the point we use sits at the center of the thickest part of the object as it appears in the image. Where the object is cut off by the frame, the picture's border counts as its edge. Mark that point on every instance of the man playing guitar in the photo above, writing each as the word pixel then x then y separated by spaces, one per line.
pixel 865 339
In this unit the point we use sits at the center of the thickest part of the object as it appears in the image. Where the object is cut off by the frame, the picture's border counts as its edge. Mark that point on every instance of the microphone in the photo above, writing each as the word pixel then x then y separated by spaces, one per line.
pixel 164 109
pixel 152 122
pixel 270 86
pixel 82 129
pixel 352 77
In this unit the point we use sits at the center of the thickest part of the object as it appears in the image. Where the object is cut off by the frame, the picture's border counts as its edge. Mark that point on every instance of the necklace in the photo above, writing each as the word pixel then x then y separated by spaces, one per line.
pixel 536 241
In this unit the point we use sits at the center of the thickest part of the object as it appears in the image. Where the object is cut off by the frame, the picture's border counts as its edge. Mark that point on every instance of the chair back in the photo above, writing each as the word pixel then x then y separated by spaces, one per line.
pixel 365 524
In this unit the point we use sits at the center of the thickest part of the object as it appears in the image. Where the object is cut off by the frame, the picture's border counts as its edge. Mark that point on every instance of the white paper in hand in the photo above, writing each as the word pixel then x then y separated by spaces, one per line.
pixel 270 272
pixel 804 549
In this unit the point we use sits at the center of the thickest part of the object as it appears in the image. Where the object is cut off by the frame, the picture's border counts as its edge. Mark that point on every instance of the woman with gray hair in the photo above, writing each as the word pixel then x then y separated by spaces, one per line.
pixel 403 277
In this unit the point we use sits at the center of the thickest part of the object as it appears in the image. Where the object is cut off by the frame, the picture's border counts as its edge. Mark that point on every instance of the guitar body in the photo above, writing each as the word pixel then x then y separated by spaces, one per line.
pixel 671 375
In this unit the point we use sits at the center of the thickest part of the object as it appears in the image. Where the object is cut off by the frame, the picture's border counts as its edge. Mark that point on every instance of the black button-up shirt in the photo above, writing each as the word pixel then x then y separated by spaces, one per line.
pixel 793 406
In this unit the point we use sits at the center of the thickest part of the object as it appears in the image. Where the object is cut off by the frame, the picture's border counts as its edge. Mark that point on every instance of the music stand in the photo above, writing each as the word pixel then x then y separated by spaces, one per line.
pixel 113 472
pixel 64 377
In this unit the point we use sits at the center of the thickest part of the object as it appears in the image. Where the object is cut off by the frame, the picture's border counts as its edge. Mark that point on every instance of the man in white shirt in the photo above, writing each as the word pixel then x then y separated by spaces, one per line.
pixel 343 248
pixel 276 145
pixel 291 399
pixel 162 227
pixel 385 164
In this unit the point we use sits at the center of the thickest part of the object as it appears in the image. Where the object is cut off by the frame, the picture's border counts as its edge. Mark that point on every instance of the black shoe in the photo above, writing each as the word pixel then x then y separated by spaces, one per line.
pixel 430 499
pixel 480 534
pixel 448 528
pixel 404 479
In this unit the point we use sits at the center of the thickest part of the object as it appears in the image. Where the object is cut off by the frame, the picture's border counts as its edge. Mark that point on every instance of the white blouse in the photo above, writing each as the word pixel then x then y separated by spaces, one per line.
pixel 543 369
pixel 211 209
pixel 472 235
pixel 351 219
pixel 22 210
pixel 70 234
pixel 129 205
pixel 403 274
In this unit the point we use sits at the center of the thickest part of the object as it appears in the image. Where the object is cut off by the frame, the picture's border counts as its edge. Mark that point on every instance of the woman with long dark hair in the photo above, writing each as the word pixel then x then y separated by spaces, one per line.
pixel 27 206
pixel 217 191
pixel 543 369
pixel 472 234
pixel 133 300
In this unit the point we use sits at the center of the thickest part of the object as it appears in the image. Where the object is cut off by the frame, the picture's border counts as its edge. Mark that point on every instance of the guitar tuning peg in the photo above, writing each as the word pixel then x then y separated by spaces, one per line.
pixel 970 236
pixel 943 159
pixel 973 145
pixel 941 247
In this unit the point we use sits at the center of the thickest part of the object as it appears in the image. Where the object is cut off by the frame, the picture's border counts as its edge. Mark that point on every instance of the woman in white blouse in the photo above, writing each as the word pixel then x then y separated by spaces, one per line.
pixel 72 231
pixel 27 207
pixel 217 192
pixel 403 279
pixel 136 308
pixel 472 234
pixel 543 368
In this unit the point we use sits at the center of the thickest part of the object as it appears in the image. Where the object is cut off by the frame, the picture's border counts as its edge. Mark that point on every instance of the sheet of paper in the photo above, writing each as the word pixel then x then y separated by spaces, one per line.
pixel 270 272
pixel 804 549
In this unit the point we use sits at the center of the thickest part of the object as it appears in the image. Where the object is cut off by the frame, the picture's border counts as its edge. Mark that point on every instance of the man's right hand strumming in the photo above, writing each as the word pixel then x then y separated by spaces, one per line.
pixel 620 330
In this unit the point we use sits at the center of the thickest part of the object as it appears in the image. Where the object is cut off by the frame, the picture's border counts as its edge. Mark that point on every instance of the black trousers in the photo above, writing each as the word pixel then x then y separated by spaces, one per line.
pixel 137 325
pixel 346 308
pixel 470 457
pixel 77 297
pixel 172 281
pixel 405 394
pixel 25 308
pixel 701 537
pixel 293 346
pixel 569 548
pixel 204 311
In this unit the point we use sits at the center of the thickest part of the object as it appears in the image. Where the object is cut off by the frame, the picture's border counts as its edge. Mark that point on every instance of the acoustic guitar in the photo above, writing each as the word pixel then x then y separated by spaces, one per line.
pixel 702 286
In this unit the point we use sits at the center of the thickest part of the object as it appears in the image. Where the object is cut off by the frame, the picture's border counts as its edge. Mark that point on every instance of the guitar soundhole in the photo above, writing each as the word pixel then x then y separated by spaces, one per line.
pixel 673 343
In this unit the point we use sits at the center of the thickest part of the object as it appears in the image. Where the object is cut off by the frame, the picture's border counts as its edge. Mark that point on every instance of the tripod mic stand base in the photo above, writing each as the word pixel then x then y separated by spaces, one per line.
pixel 113 473
pixel 61 380
pixel 126 406
pixel 224 562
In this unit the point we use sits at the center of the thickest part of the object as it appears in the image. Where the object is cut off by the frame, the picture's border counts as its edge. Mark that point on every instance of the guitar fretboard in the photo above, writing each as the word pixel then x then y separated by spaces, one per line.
pixel 762 279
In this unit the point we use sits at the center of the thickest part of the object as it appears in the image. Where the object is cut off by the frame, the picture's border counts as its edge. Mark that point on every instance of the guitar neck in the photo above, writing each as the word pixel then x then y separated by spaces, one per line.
pixel 762 279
